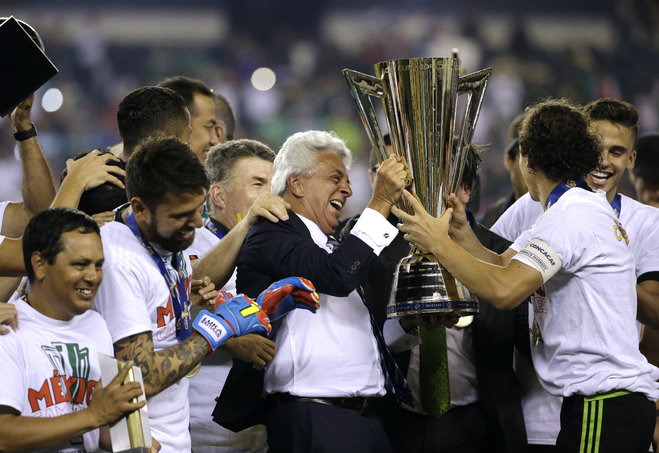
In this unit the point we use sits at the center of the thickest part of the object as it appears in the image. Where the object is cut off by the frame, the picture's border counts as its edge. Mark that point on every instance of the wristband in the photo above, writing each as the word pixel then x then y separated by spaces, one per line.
pixel 21 136
pixel 213 328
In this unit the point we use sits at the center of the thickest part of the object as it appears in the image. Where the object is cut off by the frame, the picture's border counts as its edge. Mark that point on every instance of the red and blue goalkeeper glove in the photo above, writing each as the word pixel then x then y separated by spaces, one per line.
pixel 234 316
pixel 287 294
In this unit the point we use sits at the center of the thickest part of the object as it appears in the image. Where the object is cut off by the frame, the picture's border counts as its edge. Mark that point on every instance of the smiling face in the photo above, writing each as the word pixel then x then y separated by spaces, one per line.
pixel 251 178
pixel 321 196
pixel 203 123
pixel 72 280
pixel 172 224
pixel 617 155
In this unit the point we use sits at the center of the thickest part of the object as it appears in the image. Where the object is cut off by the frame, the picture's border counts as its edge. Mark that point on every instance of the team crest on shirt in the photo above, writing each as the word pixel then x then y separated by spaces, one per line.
pixel 539 301
pixel 620 232
pixel 68 384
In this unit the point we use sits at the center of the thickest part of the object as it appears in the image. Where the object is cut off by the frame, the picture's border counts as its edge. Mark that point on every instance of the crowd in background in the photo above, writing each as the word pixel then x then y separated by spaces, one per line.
pixel 307 50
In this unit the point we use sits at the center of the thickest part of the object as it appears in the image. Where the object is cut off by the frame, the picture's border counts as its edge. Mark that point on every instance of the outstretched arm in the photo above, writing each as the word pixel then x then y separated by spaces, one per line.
pixel 19 433
pixel 503 287
pixel 160 369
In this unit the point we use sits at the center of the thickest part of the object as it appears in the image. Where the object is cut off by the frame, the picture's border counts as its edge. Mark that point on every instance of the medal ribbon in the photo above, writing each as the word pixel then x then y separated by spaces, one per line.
pixel 214 229
pixel 615 204
pixel 179 297
pixel 558 191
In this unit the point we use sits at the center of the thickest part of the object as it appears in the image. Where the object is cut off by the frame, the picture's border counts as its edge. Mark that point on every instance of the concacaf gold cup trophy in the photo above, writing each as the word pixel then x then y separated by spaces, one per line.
pixel 420 99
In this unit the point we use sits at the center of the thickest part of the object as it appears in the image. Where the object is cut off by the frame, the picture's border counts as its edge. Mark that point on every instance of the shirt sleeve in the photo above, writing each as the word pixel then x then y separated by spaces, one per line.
pixel 374 230
pixel 517 218
pixel 396 338
pixel 563 236
pixel 121 300
pixel 12 390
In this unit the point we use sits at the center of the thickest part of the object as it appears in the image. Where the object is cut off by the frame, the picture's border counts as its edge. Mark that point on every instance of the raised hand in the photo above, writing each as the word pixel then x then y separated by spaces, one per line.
pixel 269 206
pixel 287 294
pixel 92 170
pixel 420 228
pixel 459 223
pixel 20 116
pixel 392 177
pixel 202 292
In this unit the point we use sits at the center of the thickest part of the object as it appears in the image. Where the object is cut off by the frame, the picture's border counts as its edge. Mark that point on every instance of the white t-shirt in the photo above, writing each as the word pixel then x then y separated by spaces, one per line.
pixel 333 352
pixel 518 218
pixel 46 356
pixel 588 322
pixel 542 410
pixel 134 298
pixel 208 436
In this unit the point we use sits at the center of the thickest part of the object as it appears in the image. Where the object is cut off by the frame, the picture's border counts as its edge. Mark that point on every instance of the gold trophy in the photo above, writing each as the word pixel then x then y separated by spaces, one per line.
pixel 420 99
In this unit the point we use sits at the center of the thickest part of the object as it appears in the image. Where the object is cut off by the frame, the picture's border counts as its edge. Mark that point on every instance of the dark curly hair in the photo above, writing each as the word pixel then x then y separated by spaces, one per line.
pixel 558 140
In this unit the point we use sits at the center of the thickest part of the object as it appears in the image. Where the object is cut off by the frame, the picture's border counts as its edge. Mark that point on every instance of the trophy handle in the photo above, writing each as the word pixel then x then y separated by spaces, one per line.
pixel 473 86
pixel 362 87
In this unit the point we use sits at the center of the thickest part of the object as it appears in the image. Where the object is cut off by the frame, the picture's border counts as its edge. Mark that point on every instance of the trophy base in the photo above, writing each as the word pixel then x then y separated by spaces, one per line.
pixel 423 286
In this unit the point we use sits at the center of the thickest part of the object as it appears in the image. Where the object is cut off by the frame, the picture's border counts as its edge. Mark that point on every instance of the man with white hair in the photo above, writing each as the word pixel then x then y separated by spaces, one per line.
pixel 326 375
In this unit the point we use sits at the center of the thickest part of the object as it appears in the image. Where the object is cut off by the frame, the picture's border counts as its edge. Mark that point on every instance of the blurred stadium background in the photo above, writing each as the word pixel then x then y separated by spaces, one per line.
pixel 579 49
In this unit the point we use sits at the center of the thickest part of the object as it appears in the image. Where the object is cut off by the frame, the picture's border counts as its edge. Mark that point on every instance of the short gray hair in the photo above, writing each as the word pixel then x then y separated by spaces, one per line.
pixel 222 157
pixel 299 152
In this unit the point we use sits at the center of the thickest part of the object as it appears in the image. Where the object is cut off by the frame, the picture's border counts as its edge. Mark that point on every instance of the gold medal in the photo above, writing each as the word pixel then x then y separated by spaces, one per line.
pixel 194 371
pixel 536 335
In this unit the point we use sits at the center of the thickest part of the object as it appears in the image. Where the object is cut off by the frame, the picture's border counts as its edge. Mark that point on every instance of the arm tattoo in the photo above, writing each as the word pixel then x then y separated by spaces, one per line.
pixel 163 368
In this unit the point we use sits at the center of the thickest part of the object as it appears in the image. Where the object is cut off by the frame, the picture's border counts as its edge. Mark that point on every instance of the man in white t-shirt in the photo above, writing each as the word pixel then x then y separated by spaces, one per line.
pixel 51 397
pixel 617 123
pixel 577 264
pixel 145 295
pixel 240 172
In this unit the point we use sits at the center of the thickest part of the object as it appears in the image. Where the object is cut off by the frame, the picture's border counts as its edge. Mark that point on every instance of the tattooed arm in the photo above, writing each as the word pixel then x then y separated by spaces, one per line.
pixel 160 369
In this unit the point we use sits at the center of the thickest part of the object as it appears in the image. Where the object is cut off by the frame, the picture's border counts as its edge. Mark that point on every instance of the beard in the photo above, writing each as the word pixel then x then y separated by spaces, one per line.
pixel 175 243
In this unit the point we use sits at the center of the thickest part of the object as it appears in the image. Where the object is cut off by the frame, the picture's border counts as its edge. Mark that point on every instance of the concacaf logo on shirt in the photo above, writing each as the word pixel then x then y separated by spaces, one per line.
pixel 69 383
pixel 620 232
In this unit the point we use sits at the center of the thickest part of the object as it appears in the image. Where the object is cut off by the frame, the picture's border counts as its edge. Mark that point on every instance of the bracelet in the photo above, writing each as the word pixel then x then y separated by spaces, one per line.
pixel 21 136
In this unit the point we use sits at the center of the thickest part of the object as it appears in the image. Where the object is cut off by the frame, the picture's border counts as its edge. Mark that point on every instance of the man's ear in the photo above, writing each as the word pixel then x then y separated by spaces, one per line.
pixel 218 195
pixel 38 265
pixel 221 133
pixel 508 163
pixel 632 160
pixel 140 209
pixel 296 185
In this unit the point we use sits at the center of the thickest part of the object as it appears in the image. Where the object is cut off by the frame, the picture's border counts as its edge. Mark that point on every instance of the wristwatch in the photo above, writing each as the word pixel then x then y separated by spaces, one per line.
pixel 21 136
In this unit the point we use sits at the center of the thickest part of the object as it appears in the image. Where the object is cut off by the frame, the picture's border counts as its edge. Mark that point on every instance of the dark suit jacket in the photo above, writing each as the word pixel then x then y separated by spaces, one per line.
pixel 273 251
pixel 495 333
